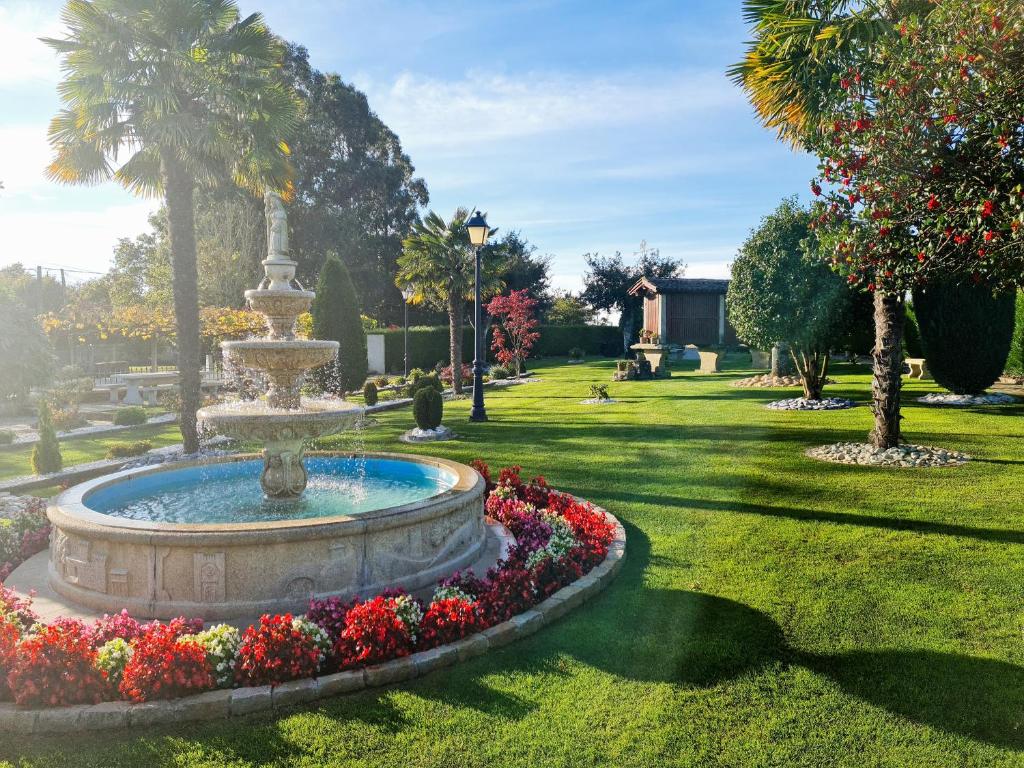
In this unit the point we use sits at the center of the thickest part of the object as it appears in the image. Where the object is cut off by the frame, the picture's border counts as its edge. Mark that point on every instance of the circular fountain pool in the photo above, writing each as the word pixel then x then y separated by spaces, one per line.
pixel 231 493
pixel 200 539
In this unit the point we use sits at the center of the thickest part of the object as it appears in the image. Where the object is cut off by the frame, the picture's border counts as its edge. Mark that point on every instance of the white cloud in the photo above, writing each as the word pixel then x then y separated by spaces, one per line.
pixel 70 238
pixel 483 108
pixel 24 60
pixel 24 155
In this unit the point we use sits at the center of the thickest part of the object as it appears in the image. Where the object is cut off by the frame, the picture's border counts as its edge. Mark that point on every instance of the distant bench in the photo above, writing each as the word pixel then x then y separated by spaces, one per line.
pixel 918 367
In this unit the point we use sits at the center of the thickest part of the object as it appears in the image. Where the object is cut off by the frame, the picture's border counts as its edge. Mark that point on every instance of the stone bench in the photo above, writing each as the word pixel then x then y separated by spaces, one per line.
pixel 918 367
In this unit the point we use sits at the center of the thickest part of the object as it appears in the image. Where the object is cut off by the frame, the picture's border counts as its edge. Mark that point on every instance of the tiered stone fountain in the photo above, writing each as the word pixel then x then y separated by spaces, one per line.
pixel 283 422
pixel 199 538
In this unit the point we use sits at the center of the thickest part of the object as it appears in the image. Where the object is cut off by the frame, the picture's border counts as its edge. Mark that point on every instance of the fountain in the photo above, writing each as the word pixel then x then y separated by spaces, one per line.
pixel 236 536
pixel 283 423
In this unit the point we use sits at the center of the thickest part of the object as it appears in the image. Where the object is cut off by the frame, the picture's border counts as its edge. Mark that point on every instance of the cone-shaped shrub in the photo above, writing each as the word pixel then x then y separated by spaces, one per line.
pixel 1015 363
pixel 46 456
pixel 336 318
pixel 911 334
pixel 370 393
pixel 428 408
pixel 965 333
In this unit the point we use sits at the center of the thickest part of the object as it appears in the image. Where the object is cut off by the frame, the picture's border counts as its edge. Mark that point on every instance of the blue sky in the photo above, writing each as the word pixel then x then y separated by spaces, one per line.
pixel 587 125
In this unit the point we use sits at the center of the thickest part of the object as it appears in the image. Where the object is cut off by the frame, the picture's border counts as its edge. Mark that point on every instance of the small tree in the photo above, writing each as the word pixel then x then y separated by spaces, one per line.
pixel 46 457
pixel 515 328
pixel 781 291
pixel 428 408
pixel 336 318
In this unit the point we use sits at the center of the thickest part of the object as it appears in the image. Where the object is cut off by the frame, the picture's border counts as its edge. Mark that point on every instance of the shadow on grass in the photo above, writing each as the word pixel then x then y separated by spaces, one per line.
pixel 979 698
pixel 1002 536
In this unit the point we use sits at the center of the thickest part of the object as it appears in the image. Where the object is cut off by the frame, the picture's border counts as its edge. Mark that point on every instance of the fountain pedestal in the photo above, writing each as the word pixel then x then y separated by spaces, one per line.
pixel 284 473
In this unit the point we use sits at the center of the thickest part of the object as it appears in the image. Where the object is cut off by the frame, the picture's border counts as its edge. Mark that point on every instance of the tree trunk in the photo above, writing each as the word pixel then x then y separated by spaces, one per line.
pixel 888 370
pixel 811 365
pixel 181 230
pixel 455 309
pixel 627 331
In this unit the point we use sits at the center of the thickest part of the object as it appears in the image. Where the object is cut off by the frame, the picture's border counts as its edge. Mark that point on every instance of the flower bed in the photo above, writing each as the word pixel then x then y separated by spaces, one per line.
pixel 24 531
pixel 559 539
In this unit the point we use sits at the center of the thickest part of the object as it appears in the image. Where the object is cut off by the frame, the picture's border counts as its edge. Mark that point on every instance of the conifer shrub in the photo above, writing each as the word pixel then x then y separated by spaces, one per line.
pixel 336 318
pixel 370 393
pixel 966 333
pixel 46 457
pixel 428 408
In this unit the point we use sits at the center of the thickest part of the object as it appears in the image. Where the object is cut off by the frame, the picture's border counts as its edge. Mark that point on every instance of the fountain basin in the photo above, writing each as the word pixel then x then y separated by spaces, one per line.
pixel 258 422
pixel 106 554
pixel 280 307
pixel 274 355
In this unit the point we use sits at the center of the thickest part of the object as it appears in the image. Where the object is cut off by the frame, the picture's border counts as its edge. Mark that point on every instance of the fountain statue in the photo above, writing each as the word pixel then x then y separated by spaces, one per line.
pixel 282 423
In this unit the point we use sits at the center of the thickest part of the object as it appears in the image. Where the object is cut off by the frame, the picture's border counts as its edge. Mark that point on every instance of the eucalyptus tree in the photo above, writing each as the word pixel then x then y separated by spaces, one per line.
pixel 438 262
pixel 165 96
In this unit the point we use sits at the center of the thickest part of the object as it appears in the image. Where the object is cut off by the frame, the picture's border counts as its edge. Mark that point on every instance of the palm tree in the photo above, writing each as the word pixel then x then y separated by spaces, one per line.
pixel 790 73
pixel 438 261
pixel 190 93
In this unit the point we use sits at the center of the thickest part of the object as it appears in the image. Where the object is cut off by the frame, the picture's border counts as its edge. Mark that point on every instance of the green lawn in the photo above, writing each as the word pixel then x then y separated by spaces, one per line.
pixel 15 462
pixel 773 610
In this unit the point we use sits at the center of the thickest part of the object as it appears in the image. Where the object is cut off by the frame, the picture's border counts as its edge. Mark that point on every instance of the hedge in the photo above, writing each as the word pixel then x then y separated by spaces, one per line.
pixel 428 345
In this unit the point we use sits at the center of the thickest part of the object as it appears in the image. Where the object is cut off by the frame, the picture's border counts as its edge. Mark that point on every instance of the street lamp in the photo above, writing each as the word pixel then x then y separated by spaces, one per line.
pixel 408 291
pixel 478 233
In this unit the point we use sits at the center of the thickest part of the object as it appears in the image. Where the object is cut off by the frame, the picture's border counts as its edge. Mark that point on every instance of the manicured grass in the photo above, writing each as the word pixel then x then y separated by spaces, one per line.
pixel 773 610
pixel 15 462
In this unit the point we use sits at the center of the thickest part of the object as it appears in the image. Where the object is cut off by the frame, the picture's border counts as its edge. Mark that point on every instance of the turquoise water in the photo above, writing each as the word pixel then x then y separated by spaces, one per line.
pixel 230 492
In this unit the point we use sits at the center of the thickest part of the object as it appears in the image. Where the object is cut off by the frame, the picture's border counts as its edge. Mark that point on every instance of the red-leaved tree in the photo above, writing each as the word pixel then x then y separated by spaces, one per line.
pixel 922 169
pixel 515 329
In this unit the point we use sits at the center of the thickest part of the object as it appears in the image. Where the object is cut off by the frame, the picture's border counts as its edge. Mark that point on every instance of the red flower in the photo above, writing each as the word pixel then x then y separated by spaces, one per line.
pixel 373 634
pixel 933 203
pixel 987 208
pixel 275 652
pixel 447 621
pixel 55 667
pixel 166 664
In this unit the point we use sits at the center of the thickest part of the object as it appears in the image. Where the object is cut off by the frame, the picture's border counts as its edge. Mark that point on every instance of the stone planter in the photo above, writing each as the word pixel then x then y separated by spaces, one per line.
pixel 759 358
pixel 657 355
pixel 709 362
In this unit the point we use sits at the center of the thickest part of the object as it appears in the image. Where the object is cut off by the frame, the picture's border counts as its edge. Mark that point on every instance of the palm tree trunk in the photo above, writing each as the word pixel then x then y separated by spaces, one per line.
pixel 178 192
pixel 455 308
pixel 811 370
pixel 888 370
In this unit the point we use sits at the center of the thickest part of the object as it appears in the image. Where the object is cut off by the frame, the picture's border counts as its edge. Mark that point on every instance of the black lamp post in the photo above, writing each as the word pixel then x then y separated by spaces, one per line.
pixel 478 233
pixel 407 293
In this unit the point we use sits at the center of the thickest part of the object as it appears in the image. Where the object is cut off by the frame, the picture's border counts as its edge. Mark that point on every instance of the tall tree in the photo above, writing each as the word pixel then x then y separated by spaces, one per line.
pixel 922 169
pixel 524 269
pixel 356 192
pixel 569 309
pixel 191 91
pixel 801 54
pixel 438 261
pixel 609 278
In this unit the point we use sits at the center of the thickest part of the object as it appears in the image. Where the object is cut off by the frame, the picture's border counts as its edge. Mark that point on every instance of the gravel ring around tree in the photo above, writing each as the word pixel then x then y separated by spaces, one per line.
pixel 418 435
pixel 803 404
pixel 767 381
pixel 903 456
pixel 599 401
pixel 951 400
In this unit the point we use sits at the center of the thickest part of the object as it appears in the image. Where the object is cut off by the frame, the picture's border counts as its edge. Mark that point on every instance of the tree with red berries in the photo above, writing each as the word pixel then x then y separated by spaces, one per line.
pixel 515 327
pixel 922 170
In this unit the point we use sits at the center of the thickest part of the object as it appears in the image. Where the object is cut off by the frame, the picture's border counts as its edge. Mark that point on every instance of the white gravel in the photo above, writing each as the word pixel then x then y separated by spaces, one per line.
pixel 598 401
pixel 952 400
pixel 906 455
pixel 767 380
pixel 803 404
pixel 418 435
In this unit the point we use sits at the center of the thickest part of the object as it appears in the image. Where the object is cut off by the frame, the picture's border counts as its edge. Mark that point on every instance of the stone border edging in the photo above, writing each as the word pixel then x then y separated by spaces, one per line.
pixel 231 702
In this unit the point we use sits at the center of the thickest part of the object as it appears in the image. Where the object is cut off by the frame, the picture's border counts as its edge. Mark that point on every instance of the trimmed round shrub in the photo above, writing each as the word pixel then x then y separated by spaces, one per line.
pixel 370 393
pixel 125 450
pixel 966 333
pixel 428 408
pixel 130 416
